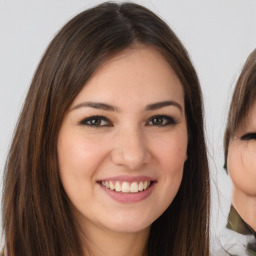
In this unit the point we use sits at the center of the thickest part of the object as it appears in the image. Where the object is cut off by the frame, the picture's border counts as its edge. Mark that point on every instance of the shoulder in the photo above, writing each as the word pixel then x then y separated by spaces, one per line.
pixel 231 243
pixel 237 224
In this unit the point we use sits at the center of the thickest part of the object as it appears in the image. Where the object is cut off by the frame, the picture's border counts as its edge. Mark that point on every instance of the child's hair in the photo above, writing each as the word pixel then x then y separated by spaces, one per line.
pixel 243 98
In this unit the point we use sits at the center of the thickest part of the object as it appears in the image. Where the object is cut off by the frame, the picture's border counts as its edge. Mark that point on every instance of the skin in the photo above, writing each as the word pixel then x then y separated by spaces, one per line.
pixel 241 164
pixel 127 143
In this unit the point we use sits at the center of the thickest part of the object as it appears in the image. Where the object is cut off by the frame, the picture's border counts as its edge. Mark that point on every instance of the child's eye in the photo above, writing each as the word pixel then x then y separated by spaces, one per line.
pixel 249 136
pixel 161 120
pixel 96 121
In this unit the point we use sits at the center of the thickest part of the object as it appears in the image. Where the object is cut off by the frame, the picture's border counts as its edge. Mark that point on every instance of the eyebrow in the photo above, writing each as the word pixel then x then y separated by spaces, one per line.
pixel 107 107
pixel 163 104
pixel 96 105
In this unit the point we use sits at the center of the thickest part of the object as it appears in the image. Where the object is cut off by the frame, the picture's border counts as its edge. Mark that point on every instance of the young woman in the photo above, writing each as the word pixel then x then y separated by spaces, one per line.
pixel 240 148
pixel 109 155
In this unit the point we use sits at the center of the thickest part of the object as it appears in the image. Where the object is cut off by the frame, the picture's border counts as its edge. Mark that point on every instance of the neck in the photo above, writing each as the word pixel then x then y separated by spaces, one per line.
pixel 245 206
pixel 107 243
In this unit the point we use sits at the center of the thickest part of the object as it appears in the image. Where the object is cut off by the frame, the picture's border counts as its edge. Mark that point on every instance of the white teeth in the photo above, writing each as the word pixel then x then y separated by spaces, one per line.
pixel 134 187
pixel 141 186
pixel 106 184
pixel 111 185
pixel 118 187
pixel 145 185
pixel 126 187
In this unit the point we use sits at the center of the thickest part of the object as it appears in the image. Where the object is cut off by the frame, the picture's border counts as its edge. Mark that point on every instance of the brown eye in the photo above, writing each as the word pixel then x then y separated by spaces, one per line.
pixel 96 121
pixel 158 121
pixel 161 121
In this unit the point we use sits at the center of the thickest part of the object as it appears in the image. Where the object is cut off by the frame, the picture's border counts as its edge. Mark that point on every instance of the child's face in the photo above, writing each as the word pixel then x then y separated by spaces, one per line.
pixel 241 160
pixel 123 143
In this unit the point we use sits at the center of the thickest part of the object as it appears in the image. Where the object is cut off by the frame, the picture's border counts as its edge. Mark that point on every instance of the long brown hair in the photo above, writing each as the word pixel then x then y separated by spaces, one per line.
pixel 243 98
pixel 36 215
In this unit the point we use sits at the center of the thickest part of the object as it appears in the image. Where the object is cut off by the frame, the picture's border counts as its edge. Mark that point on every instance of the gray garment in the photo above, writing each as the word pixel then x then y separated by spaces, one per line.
pixel 238 239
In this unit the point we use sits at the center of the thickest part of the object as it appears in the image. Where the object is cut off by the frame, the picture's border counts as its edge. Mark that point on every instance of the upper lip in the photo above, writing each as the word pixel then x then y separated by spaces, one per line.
pixel 127 178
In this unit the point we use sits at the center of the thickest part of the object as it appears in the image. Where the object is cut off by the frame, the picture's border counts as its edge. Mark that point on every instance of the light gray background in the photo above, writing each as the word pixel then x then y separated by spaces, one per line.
pixel 218 34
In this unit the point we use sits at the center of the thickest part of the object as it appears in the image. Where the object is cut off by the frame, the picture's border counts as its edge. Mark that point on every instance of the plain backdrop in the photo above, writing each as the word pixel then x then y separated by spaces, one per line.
pixel 218 34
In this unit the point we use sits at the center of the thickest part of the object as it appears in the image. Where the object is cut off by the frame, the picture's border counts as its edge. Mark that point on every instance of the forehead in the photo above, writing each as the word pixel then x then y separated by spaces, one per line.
pixel 141 73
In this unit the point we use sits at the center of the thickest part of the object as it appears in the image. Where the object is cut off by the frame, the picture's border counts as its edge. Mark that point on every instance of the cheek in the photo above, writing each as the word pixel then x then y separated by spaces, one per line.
pixel 242 167
pixel 77 154
pixel 171 156
pixel 172 153
pixel 78 161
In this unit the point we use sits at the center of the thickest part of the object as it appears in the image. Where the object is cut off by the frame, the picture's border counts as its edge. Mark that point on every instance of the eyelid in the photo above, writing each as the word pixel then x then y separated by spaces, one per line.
pixel 170 120
pixel 86 121
pixel 249 136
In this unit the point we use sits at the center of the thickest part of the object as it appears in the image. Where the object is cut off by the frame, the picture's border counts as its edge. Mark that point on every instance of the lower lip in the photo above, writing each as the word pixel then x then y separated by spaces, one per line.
pixel 128 197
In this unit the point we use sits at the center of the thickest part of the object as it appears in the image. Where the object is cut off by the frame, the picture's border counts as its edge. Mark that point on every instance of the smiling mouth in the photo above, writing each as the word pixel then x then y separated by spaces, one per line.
pixel 126 187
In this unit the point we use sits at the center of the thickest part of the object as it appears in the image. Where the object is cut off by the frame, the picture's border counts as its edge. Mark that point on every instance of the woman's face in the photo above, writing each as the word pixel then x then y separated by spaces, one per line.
pixel 123 143
pixel 241 160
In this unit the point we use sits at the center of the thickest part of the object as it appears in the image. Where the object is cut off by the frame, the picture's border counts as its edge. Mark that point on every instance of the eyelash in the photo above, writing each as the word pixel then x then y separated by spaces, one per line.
pixel 166 119
pixel 249 136
pixel 88 121
pixel 163 119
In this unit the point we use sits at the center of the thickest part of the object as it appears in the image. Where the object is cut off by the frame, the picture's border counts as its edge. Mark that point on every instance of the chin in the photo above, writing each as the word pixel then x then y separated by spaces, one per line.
pixel 130 224
pixel 127 228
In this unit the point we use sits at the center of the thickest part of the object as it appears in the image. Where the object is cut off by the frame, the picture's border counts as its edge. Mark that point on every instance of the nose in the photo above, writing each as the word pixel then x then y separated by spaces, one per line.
pixel 130 150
